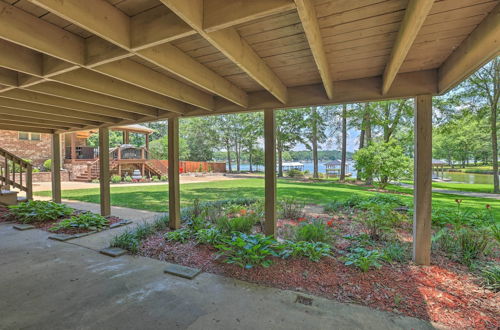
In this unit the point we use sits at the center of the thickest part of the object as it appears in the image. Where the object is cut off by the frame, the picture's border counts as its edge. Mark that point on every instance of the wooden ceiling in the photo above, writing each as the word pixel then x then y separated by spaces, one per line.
pixel 72 65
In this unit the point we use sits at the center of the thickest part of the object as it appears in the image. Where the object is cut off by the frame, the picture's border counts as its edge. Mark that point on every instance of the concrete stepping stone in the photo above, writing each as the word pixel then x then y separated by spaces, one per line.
pixel 182 271
pixel 119 224
pixel 23 227
pixel 61 237
pixel 84 234
pixel 113 252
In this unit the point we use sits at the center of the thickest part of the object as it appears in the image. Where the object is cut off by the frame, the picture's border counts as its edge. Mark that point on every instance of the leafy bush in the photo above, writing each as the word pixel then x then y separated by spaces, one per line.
pixel 39 211
pixel 209 236
pixel 116 179
pixel 164 178
pixel 396 252
pixel 85 220
pixel 180 235
pixel 155 178
pixel 312 250
pixel 248 250
pixel 128 178
pixel 315 231
pixel 95 181
pixel 386 199
pixel 491 277
pixel 363 259
pixel 243 224
pixel 463 244
pixel 380 220
pixel 47 165
pixel 290 208
pixel 294 173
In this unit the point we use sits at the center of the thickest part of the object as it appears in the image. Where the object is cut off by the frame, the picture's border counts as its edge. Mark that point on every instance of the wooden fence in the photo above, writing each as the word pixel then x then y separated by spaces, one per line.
pixel 189 166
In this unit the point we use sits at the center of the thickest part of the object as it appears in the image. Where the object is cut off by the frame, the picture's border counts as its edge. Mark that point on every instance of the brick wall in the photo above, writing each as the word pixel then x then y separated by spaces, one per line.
pixel 36 151
pixel 46 176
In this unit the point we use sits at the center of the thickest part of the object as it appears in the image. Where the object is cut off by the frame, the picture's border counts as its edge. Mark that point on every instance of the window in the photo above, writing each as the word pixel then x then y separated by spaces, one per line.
pixel 30 136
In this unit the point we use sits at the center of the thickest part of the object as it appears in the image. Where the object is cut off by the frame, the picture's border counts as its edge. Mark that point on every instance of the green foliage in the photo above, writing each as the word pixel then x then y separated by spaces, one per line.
pixel 116 179
pixel 380 220
pixel 164 178
pixel 128 178
pixel 155 178
pixel 87 220
pixel 315 231
pixel 180 235
pixel 294 173
pixel 130 240
pixel 210 236
pixel 95 181
pixel 47 165
pixel 396 252
pixel 384 161
pixel 363 259
pixel 127 241
pixel 312 250
pixel 491 277
pixel 248 251
pixel 39 211
pixel 243 224
pixel 463 244
pixel 291 208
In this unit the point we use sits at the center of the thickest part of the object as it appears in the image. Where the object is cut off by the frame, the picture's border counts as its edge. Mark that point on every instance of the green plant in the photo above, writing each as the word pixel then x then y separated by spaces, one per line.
pixel 380 219
pixel 197 223
pixel 491 277
pixel 116 179
pixel 248 251
pixel 473 243
pixel 47 165
pixel 95 181
pixel 128 178
pixel 180 235
pixel 334 206
pixel 127 241
pixel 294 173
pixel 36 170
pixel 312 250
pixel 363 259
pixel 39 211
pixel 85 220
pixel 290 208
pixel 242 224
pixel 314 231
pixel 495 231
pixel 210 236
pixel 396 252
pixel 163 178
pixel 155 178
pixel 130 240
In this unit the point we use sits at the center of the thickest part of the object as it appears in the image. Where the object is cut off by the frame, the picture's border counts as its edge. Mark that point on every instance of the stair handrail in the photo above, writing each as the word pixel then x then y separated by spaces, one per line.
pixel 8 179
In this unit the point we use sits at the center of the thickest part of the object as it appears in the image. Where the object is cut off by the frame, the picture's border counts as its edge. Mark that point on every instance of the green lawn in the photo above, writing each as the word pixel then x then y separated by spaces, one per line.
pixel 472 187
pixel 155 198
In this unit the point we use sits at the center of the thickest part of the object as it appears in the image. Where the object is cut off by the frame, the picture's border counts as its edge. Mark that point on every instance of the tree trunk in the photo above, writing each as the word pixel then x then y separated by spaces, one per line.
pixel 361 142
pixel 369 177
pixel 280 162
pixel 228 148
pixel 344 143
pixel 250 158
pixel 237 150
pixel 494 145
pixel 314 142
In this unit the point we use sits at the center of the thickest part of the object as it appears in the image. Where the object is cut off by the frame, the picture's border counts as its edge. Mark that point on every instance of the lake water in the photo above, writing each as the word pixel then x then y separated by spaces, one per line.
pixel 307 166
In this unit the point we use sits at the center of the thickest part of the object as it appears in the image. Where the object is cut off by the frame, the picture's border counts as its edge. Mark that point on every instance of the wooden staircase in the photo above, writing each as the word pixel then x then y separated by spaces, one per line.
pixel 15 173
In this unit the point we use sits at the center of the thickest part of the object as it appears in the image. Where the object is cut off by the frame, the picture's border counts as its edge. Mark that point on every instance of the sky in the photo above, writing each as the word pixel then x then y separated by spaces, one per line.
pixel 352 143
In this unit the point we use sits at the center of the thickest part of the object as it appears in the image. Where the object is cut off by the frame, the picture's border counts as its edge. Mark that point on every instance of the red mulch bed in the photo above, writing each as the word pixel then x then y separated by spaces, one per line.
pixel 6 215
pixel 445 293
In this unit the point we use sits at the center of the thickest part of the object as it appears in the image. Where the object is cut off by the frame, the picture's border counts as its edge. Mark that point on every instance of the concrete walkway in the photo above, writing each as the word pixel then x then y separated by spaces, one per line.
pixel 458 192
pixel 46 284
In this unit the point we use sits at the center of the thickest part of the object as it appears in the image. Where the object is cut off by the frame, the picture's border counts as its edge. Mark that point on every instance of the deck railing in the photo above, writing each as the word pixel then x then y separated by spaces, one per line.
pixel 15 172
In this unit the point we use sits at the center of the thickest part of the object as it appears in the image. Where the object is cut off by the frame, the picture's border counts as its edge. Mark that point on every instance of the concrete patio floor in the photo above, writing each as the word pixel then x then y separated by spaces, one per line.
pixel 54 285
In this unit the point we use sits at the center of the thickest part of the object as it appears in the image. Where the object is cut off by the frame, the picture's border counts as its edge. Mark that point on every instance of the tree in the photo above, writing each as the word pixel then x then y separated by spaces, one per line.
pixel 252 129
pixel 289 125
pixel 200 137
pixel 344 143
pixel 158 149
pixel 384 161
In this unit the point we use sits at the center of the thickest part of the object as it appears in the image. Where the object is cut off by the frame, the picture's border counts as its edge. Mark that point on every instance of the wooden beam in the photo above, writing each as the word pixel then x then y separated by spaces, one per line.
pixel 77 94
pixel 307 14
pixel 51 110
pixel 222 14
pixel 41 122
pixel 174 209
pixel 8 77
pixel 39 98
pixel 104 177
pixel 27 30
pixel 31 124
pixel 142 76
pixel 415 15
pixel 177 62
pixel 20 59
pixel 423 181
pixel 270 172
pixel 30 115
pixel 56 168
pixel 35 129
pixel 481 46
pixel 230 43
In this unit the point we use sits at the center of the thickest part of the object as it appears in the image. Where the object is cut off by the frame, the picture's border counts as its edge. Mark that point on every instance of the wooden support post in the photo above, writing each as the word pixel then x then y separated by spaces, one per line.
pixel 29 182
pixel 174 208
pixel 105 192
pixel 423 180
pixel 270 172
pixel 127 137
pixel 6 173
pixel 56 168
pixel 73 146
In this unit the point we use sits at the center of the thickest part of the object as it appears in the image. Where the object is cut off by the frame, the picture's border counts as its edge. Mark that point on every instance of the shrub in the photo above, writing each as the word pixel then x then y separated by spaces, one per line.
pixel 491 277
pixel 293 173
pixel 242 224
pixel 95 181
pixel 380 219
pixel 36 170
pixel 291 209
pixel 396 252
pixel 163 178
pixel 464 244
pixel 116 179
pixel 210 236
pixel 155 178
pixel 312 250
pixel 180 235
pixel 248 251
pixel 83 221
pixel 47 165
pixel 128 178
pixel 39 211
pixel 363 259
pixel 315 231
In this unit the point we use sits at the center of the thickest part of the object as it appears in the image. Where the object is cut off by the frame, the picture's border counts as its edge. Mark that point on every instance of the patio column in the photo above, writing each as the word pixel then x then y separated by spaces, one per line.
pixel 423 180
pixel 147 146
pixel 56 168
pixel 270 172
pixel 104 178
pixel 73 146
pixel 174 208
